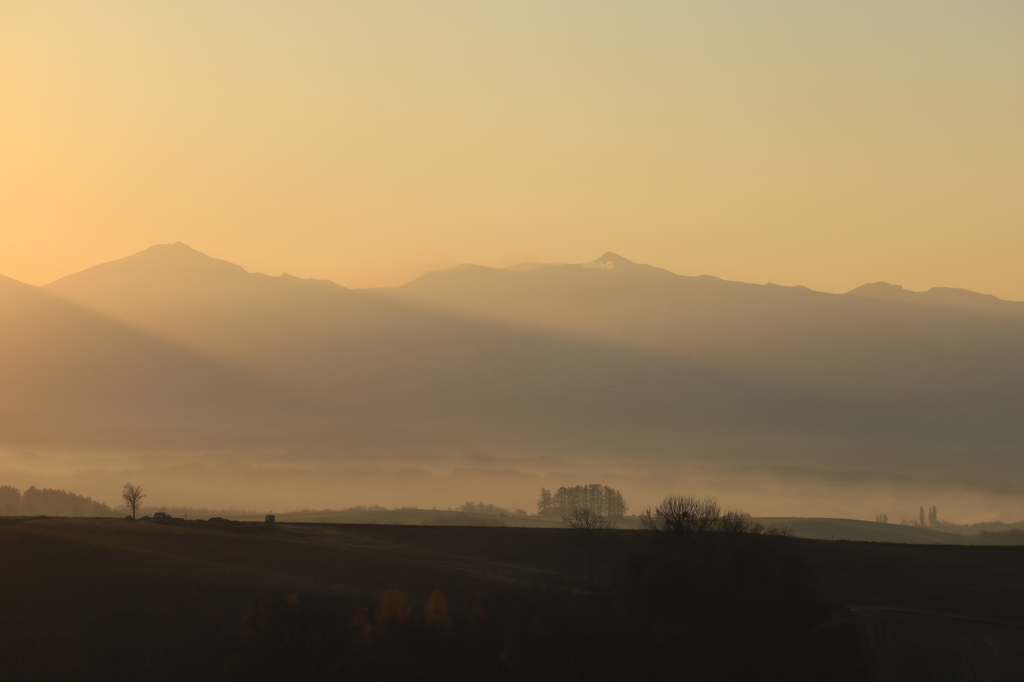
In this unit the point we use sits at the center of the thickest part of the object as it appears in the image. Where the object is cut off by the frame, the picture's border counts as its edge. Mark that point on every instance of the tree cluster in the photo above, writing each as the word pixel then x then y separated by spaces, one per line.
pixel 565 502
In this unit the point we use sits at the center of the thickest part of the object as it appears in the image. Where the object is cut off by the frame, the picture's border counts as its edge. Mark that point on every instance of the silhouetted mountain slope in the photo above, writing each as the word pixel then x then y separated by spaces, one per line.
pixel 67 370
pixel 182 294
pixel 608 358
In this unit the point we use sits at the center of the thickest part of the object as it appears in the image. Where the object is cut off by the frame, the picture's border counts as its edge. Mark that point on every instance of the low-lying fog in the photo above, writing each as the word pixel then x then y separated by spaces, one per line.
pixel 289 481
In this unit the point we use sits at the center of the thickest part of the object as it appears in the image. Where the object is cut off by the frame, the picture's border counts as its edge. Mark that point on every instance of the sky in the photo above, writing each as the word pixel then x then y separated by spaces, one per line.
pixel 821 144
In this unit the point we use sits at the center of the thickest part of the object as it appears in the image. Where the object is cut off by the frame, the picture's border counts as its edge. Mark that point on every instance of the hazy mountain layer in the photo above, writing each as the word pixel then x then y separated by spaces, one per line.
pixel 610 359
pixel 68 372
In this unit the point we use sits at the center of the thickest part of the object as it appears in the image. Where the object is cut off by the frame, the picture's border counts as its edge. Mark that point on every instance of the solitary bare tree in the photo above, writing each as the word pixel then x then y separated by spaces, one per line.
pixel 132 496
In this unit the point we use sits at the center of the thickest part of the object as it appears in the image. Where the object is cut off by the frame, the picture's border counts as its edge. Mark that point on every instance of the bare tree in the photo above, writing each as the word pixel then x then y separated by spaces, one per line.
pixel 592 536
pixel 132 496
pixel 586 519
pixel 683 514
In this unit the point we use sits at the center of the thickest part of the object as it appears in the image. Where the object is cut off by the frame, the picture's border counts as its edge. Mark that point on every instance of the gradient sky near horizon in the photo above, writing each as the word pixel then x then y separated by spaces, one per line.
pixel 823 144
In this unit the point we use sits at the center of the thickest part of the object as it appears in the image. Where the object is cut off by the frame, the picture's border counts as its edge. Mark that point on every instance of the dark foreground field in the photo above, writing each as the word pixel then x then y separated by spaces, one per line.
pixel 102 598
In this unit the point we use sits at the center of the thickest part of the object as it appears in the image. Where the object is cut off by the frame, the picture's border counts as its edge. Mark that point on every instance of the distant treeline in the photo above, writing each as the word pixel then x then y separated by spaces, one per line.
pixel 491 509
pixel 597 498
pixel 1005 537
pixel 987 526
pixel 929 518
pixel 50 502
pixel 181 512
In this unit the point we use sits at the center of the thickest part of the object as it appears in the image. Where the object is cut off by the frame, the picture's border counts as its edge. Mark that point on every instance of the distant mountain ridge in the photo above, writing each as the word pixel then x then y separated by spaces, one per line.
pixel 182 261
pixel 609 358
pixel 962 299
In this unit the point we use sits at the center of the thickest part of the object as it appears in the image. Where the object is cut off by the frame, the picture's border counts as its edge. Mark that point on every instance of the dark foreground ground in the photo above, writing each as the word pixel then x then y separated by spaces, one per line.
pixel 203 600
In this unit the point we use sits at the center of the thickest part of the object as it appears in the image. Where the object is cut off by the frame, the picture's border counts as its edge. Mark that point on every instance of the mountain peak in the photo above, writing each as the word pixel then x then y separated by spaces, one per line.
pixel 162 266
pixel 180 247
pixel 610 261
pixel 161 260
pixel 176 251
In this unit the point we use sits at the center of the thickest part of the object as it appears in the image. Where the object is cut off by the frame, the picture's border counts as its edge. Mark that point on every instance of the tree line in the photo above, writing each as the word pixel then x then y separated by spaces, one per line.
pixel 564 502
pixel 49 502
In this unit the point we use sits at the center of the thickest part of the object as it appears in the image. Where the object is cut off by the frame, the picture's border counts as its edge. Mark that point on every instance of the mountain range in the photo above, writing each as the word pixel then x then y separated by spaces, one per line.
pixel 607 359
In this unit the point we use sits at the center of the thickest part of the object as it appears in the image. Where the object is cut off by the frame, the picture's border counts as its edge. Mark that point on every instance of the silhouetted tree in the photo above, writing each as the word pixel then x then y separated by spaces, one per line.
pixel 679 514
pixel 544 501
pixel 591 535
pixel 920 516
pixel 585 519
pixel 132 496
pixel 10 500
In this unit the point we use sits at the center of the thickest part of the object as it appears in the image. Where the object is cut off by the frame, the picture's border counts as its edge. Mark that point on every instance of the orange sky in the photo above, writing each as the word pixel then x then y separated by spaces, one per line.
pixel 824 144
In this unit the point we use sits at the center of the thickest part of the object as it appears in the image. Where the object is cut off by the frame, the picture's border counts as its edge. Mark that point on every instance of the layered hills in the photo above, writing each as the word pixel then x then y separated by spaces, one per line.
pixel 609 359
